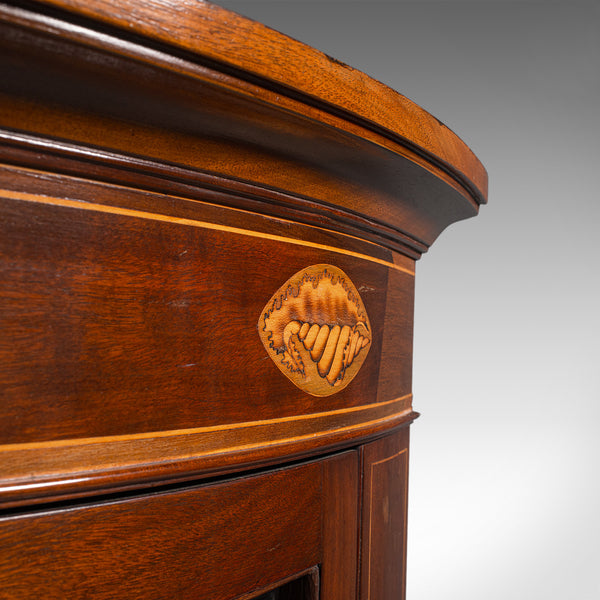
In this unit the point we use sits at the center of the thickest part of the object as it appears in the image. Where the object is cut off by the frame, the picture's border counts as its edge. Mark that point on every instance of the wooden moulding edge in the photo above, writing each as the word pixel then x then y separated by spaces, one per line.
pixel 92 34
pixel 156 25
pixel 57 471
pixel 144 174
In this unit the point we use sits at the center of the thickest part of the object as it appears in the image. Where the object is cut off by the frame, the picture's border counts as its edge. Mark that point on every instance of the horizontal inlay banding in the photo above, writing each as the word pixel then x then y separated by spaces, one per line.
pixel 135 459
pixel 90 206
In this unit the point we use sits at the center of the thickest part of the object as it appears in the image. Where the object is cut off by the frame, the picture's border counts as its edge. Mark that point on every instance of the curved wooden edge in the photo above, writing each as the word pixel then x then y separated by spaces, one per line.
pixel 255 52
pixel 153 216
pixel 67 469
pixel 179 183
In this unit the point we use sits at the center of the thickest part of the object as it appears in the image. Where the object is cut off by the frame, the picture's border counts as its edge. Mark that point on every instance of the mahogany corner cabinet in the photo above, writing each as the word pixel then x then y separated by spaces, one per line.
pixel 208 236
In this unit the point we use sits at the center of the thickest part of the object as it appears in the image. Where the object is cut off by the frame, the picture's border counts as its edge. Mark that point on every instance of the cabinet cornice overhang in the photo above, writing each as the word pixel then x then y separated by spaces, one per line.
pixel 357 159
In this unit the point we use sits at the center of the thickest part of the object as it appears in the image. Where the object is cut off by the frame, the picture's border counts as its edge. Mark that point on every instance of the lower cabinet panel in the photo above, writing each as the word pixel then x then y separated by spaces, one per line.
pixel 213 542
pixel 320 530
pixel 385 488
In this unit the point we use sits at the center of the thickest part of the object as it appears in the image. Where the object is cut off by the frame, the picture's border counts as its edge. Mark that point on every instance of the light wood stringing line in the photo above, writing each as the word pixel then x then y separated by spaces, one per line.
pixel 32 484
pixel 128 212
pixel 397 258
pixel 23 480
pixel 373 465
pixel 208 429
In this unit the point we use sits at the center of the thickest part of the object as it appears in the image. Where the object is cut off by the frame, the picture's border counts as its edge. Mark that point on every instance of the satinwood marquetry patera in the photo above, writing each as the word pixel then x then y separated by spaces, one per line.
pixel 208 236
pixel 316 330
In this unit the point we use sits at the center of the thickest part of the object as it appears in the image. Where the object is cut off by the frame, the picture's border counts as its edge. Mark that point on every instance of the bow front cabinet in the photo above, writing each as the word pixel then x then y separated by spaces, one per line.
pixel 208 237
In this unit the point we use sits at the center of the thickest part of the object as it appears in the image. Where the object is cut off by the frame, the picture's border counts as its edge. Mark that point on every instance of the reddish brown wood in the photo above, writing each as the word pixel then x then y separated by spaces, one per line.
pixel 238 129
pixel 284 521
pixel 339 569
pixel 397 337
pixel 203 542
pixel 385 492
pixel 169 172
pixel 125 326
pixel 249 47
pixel 182 201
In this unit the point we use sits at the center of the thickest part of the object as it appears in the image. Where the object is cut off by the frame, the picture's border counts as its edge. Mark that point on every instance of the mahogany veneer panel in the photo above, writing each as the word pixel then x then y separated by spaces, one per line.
pixel 208 236
pixel 339 567
pixel 385 494
pixel 127 320
pixel 117 319
pixel 198 543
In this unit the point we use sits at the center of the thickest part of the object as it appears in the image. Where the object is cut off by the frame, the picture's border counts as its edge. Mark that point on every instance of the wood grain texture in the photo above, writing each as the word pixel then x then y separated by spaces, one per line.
pixel 249 47
pixel 166 170
pixel 396 352
pixel 385 494
pixel 191 115
pixel 203 542
pixel 45 472
pixel 122 322
pixel 120 319
pixel 22 183
pixel 341 518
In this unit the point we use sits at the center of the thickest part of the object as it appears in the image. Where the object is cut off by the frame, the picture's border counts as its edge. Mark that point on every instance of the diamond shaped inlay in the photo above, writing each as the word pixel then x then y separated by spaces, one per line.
pixel 316 330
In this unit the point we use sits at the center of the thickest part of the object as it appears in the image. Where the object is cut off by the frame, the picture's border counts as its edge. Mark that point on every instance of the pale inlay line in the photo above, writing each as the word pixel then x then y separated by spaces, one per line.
pixel 372 477
pixel 128 212
pixel 197 430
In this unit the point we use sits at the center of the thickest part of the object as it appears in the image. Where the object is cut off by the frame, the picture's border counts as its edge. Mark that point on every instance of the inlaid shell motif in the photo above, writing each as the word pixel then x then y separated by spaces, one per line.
pixel 316 330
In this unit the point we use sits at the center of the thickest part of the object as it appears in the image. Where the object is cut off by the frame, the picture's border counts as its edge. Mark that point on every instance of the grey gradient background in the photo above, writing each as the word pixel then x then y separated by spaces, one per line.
pixel 505 459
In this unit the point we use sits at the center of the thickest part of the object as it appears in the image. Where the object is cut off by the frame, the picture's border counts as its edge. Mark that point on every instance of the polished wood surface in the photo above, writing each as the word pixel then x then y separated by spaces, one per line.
pixel 129 334
pixel 200 542
pixel 384 506
pixel 195 118
pixel 288 67
pixel 208 236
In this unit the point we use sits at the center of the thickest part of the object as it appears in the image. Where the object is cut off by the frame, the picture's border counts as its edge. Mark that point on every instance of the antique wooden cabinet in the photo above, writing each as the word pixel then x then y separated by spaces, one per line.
pixel 208 236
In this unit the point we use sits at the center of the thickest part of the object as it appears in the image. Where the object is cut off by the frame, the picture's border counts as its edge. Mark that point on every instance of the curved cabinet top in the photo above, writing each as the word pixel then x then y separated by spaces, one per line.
pixel 340 138
pixel 211 233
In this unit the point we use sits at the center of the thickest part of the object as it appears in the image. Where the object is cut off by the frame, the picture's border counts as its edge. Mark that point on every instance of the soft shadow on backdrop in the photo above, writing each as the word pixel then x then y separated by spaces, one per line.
pixel 505 460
